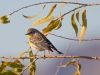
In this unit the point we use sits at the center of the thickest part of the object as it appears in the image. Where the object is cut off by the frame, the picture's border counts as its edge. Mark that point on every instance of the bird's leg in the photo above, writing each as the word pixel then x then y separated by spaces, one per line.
pixel 44 54
pixel 48 53
pixel 36 54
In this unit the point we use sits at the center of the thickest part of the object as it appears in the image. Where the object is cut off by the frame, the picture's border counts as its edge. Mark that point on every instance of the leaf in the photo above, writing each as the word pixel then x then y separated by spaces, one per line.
pixel 77 73
pixel 59 26
pixel 43 20
pixel 78 66
pixel 16 64
pixel 84 26
pixel 18 70
pixel 68 63
pixel 33 65
pixel 52 25
pixel 74 24
pixel 3 66
pixel 4 19
pixel 51 11
pixel 22 54
pixel 77 15
pixel 63 4
pixel 10 72
pixel 30 17
pixel 71 62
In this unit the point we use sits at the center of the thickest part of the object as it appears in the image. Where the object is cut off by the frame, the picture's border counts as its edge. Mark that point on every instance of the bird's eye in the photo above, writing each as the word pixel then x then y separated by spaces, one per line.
pixel 30 32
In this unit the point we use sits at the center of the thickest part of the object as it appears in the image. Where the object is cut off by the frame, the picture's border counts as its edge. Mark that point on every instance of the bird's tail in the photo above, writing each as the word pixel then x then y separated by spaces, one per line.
pixel 55 50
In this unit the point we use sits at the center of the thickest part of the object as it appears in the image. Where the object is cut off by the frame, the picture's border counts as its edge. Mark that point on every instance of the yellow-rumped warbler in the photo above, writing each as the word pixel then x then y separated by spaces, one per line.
pixel 39 42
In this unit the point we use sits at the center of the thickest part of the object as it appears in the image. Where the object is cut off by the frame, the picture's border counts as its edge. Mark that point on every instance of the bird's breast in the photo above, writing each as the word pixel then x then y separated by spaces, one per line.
pixel 35 47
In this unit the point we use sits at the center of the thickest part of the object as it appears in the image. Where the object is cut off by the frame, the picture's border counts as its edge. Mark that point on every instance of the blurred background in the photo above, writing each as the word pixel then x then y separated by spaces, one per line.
pixel 13 39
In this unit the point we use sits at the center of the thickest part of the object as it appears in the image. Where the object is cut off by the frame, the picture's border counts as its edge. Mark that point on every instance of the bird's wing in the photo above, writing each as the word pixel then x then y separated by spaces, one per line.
pixel 50 45
pixel 41 41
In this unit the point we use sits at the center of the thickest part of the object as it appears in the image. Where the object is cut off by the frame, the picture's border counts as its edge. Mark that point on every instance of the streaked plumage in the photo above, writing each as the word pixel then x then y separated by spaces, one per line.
pixel 39 42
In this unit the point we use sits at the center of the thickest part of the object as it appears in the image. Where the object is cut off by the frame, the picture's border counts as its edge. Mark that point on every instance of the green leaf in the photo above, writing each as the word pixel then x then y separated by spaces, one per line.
pixel 4 19
pixel 77 15
pixel 59 25
pixel 74 24
pixel 30 17
pixel 3 66
pixel 84 19
pixel 43 20
pixel 18 70
pixel 54 24
pixel 51 11
pixel 33 65
pixel 10 72
pixel 84 26
pixel 15 64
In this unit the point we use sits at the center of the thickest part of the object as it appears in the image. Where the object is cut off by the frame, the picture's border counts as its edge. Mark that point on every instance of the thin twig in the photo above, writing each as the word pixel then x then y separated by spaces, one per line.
pixel 28 66
pixel 40 57
pixel 75 39
pixel 62 59
pixel 71 11
pixel 55 2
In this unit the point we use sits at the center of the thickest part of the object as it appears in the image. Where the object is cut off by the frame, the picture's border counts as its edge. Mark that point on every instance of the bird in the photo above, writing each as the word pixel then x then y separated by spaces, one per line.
pixel 39 42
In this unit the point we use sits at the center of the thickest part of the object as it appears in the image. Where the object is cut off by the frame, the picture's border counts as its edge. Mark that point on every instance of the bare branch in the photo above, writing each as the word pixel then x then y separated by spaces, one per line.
pixel 75 39
pixel 93 4
pixel 40 57
pixel 28 66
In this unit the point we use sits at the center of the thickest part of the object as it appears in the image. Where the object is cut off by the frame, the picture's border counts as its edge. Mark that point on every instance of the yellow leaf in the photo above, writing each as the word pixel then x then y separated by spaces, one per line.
pixel 77 73
pixel 52 25
pixel 43 20
pixel 74 24
pixel 83 31
pixel 51 11
pixel 21 55
pixel 78 66
pixel 84 26
pixel 30 17
pixel 63 4
pixel 68 63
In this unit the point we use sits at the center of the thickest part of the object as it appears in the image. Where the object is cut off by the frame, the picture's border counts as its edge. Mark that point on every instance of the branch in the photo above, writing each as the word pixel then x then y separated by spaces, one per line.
pixel 40 57
pixel 28 66
pixel 62 59
pixel 75 39
pixel 93 4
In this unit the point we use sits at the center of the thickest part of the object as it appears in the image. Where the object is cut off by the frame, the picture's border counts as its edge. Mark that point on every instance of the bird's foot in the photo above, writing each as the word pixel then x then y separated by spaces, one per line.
pixel 35 56
pixel 44 57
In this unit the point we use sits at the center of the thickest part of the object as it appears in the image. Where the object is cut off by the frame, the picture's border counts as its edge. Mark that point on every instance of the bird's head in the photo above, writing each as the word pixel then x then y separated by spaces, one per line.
pixel 31 31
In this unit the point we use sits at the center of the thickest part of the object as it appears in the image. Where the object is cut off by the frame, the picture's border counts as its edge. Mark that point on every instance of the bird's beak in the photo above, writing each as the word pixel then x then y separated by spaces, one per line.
pixel 27 33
